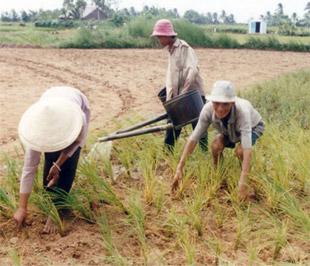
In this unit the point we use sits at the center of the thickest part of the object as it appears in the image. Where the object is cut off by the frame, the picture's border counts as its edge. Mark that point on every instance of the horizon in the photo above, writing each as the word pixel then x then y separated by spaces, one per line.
pixel 242 11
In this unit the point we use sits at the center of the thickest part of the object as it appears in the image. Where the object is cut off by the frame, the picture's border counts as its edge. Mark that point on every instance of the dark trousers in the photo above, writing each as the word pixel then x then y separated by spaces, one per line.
pixel 67 174
pixel 173 134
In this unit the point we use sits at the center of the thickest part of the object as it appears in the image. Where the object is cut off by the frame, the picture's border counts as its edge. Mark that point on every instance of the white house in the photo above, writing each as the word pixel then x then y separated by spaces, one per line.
pixel 257 26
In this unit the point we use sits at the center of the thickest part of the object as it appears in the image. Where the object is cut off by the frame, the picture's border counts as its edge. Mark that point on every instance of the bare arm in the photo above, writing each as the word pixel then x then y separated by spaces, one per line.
pixel 188 149
pixel 246 165
pixel 21 213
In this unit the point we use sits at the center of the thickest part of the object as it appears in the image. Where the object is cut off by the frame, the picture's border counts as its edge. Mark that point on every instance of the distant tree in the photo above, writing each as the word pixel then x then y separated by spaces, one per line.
pixel 133 12
pixel 47 14
pixel 294 18
pixel 306 20
pixel 5 17
pixel 74 8
pixel 175 12
pixel 194 17
pixel 14 16
pixel 209 18
pixel 106 6
pixel 24 16
pixel 32 15
pixel 223 16
pixel 279 10
pixel 230 19
pixel 215 18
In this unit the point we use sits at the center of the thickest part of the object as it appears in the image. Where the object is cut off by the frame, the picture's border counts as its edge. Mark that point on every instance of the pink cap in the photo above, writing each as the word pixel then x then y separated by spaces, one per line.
pixel 163 27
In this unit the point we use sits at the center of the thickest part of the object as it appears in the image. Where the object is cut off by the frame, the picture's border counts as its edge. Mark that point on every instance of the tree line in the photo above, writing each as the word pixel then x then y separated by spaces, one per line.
pixel 73 9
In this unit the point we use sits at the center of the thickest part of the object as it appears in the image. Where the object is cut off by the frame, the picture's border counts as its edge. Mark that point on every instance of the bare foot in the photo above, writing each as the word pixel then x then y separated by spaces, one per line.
pixel 50 227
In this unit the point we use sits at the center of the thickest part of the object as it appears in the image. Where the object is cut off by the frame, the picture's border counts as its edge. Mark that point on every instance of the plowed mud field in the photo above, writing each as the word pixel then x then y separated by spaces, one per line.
pixel 118 83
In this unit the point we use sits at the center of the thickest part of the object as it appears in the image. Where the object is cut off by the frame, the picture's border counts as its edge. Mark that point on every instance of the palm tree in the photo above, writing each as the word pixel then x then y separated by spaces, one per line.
pixel 294 18
pixel 223 16
pixel 280 9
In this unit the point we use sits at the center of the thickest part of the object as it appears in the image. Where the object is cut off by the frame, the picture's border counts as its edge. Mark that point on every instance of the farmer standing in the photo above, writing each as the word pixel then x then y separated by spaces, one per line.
pixel 236 121
pixel 57 126
pixel 182 73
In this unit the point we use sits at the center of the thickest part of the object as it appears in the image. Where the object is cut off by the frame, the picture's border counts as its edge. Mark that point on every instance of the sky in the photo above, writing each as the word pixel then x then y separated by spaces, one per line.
pixel 243 10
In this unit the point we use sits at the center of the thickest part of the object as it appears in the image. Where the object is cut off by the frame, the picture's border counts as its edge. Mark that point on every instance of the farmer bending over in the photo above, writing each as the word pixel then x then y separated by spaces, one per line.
pixel 57 126
pixel 236 121
pixel 182 73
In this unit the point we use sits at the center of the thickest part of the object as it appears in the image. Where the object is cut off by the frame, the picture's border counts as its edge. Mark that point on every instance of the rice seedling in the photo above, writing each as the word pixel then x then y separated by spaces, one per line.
pixel 15 257
pixel 193 209
pixel 114 256
pixel 78 201
pixel 280 238
pixel 177 225
pixel 243 226
pixel 136 218
pixel 100 153
pixel 44 203
pixel 7 204
pixel 148 167
pixel 12 174
pixel 215 245
pixel 98 189
pixel 126 154
pixel 299 217
pixel 220 213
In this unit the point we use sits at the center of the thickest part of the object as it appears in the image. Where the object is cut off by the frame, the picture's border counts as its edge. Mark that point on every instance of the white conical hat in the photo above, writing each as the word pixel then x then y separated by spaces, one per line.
pixel 50 125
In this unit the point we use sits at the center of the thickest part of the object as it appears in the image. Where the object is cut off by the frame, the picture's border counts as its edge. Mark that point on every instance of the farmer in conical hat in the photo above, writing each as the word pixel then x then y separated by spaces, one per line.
pixel 238 124
pixel 57 126
pixel 182 73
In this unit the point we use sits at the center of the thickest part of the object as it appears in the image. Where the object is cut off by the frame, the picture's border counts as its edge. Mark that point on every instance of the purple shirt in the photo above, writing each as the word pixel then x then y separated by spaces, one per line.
pixel 32 158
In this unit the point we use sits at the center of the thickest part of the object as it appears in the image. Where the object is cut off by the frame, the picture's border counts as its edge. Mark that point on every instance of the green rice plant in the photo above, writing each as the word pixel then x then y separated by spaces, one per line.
pixel 220 213
pixel 252 253
pixel 280 238
pixel 7 204
pixel 215 245
pixel 44 203
pixel 114 256
pixel 77 200
pixel 100 154
pixel 148 168
pixel 12 173
pixel 177 225
pixel 193 209
pixel 126 153
pixel 96 187
pixel 278 102
pixel 301 219
pixel 15 257
pixel 136 218
pixel 243 226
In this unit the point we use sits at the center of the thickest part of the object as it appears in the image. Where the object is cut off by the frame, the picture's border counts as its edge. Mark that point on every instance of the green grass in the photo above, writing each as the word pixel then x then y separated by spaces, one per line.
pixel 205 223
pixel 136 34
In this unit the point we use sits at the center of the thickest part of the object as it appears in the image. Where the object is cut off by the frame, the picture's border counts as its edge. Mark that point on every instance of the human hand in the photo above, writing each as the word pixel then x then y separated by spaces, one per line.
pixel 20 217
pixel 53 176
pixel 245 192
pixel 176 180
